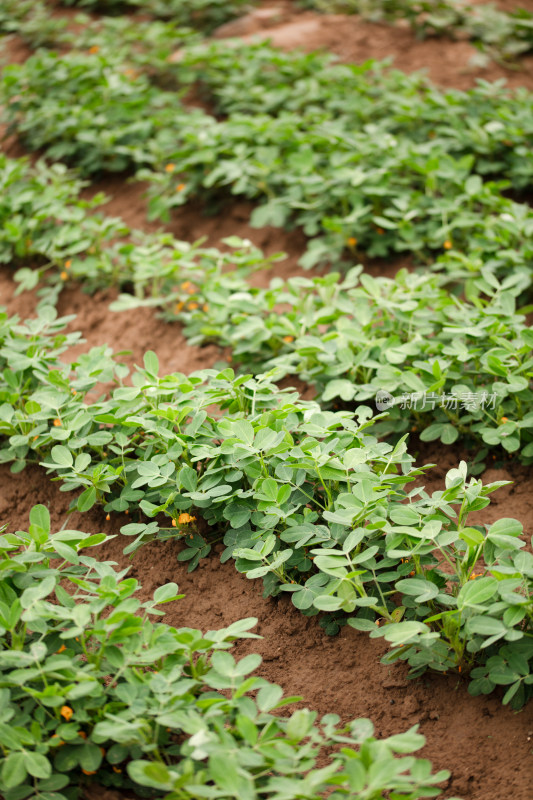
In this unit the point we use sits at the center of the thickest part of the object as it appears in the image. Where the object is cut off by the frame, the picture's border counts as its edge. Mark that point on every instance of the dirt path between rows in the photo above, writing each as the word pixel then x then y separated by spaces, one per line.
pixel 486 746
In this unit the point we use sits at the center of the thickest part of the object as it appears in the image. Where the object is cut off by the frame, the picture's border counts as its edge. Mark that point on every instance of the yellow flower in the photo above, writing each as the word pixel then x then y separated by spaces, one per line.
pixel 66 712
pixel 94 49
pixel 170 168
pixel 57 423
pixel 192 306
pixel 184 518
pixel 68 264
pixel 117 770
pixel 64 275
pixel 180 187
pixel 205 307
pixel 185 284
pixel 288 339
pixel 505 419
pixel 88 771
pixel 61 649
pixel 447 245
pixel 352 241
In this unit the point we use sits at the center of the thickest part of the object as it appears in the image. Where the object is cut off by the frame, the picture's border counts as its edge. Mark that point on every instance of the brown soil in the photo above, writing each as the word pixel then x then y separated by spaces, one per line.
pixel 486 746
pixel 448 62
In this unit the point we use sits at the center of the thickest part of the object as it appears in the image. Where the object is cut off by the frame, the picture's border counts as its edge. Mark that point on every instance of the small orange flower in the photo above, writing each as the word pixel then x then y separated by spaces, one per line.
pixel 82 734
pixel 126 511
pixel 460 668
pixel 380 231
pixel 184 518
pixel 288 339
pixel 505 419
pixel 447 245
pixel 173 523
pixel 185 284
pixel 61 649
pixel 352 241
pixel 205 307
pixel 66 712
pixel 60 743
pixel 193 306
pixel 94 49
pixel 117 770
pixel 74 391
pixel 102 750
pixel 57 423
pixel 378 623
pixel 180 187
pixel 68 264
pixel 64 275
pixel 88 771
pixel 108 517
pixel 170 168
pixel 178 307
pixel 35 438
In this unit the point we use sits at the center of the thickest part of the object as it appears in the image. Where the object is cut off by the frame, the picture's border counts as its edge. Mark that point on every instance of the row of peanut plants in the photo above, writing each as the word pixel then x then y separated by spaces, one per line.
pixel 359 157
pixel 455 367
pixel 309 500
pixel 95 688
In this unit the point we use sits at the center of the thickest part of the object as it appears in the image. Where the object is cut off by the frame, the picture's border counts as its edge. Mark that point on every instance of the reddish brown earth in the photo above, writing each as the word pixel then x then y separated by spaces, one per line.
pixel 487 747
pixel 448 62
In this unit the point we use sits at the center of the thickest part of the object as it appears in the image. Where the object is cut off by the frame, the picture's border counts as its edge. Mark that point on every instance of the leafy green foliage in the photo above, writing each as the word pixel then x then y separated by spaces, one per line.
pixel 31 20
pixel 356 156
pixel 409 336
pixel 430 341
pixel 308 500
pixel 93 685
pixel 205 15
pixel 85 108
pixel 359 157
pixel 54 237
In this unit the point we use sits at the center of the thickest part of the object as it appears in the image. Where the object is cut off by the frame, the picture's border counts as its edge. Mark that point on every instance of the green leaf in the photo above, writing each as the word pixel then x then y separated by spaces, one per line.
pixel 475 593
pixel 37 765
pixel 40 516
pixel 151 363
pixel 166 593
pixel 14 770
pixel 269 696
pixel 86 500
pixel 62 456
